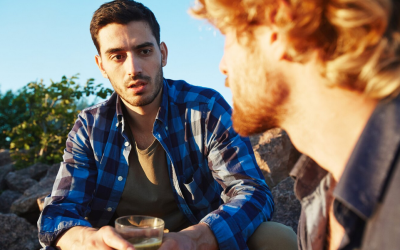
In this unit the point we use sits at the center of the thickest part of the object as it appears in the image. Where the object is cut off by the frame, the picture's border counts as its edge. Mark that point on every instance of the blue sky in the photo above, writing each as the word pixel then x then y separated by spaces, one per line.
pixel 46 39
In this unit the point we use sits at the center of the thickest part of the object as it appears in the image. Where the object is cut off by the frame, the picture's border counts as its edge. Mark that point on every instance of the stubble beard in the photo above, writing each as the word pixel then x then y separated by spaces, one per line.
pixel 140 100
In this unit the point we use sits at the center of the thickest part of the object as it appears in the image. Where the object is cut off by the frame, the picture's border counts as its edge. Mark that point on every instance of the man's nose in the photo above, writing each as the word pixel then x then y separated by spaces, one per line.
pixel 133 65
pixel 224 70
pixel 223 66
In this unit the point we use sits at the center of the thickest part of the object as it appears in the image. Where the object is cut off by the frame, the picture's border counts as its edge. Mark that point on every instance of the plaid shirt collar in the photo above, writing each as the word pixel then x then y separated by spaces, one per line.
pixel 162 112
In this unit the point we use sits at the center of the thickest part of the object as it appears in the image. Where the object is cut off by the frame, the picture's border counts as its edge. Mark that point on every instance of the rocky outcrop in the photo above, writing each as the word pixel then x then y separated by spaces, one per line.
pixel 19 181
pixel 287 206
pixel 275 155
pixel 22 180
pixel 38 171
pixel 6 199
pixel 28 201
pixel 17 234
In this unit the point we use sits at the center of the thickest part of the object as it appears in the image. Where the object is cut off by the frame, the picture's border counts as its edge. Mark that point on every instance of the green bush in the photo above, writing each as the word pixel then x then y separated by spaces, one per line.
pixel 37 119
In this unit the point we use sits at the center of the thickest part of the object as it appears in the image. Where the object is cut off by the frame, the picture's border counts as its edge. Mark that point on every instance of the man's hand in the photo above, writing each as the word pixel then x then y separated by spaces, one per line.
pixel 197 237
pixel 178 241
pixel 106 238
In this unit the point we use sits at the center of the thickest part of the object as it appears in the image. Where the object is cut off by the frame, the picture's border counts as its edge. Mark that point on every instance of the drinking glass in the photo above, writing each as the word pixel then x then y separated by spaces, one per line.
pixel 143 232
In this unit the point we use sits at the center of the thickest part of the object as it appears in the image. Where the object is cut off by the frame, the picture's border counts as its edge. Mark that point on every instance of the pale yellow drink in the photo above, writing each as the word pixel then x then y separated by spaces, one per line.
pixel 143 232
pixel 145 244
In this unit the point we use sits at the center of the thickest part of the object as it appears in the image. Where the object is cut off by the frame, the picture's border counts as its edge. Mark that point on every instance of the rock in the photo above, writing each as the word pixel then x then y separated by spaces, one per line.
pixel 19 180
pixel 4 170
pixel 6 199
pixel 28 201
pixel 35 171
pixel 53 170
pixel 26 204
pixel 38 170
pixel 275 155
pixel 287 207
pixel 17 234
pixel 5 157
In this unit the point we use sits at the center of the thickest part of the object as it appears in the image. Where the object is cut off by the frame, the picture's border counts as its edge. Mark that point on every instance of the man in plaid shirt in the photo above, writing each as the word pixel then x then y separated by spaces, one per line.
pixel 157 147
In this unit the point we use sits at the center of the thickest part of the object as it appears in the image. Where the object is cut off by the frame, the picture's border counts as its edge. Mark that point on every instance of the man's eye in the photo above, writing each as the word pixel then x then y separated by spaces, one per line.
pixel 146 51
pixel 117 57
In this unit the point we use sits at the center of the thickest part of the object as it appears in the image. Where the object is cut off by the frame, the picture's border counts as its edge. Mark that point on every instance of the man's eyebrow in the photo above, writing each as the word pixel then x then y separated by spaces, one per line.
pixel 113 50
pixel 143 45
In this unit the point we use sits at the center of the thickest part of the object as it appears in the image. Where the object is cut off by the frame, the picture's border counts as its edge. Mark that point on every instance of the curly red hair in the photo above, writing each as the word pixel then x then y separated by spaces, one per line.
pixel 358 40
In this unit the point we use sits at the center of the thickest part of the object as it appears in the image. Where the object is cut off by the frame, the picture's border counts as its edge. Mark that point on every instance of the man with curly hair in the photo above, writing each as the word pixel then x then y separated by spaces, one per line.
pixel 328 72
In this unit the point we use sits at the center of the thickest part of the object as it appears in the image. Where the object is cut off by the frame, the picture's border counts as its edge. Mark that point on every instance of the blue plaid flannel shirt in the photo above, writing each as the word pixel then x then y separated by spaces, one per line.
pixel 213 170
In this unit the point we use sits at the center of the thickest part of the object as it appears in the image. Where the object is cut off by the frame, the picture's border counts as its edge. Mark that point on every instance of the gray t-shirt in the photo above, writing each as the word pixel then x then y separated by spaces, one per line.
pixel 148 190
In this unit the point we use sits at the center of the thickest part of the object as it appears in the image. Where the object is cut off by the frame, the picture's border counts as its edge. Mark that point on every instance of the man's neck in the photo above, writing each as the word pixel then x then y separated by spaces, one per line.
pixel 325 123
pixel 141 118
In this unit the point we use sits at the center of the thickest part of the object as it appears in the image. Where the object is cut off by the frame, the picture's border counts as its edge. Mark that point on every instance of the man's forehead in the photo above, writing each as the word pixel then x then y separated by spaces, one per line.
pixel 131 34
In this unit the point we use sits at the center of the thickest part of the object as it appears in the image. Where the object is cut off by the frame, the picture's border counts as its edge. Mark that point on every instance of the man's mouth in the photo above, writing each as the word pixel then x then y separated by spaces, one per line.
pixel 138 87
pixel 137 84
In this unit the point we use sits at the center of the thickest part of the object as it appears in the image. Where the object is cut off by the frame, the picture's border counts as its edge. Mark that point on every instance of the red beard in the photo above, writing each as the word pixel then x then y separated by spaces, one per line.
pixel 252 117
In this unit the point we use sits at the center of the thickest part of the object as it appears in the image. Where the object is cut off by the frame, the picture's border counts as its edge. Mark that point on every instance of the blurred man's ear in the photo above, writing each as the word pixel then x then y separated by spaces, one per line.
pixel 164 53
pixel 100 65
pixel 276 39
pixel 275 42
pixel 279 45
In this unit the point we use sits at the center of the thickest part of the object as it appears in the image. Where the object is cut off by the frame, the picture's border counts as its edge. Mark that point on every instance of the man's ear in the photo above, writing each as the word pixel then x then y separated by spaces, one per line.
pixel 164 53
pixel 277 39
pixel 273 41
pixel 100 65
pixel 278 44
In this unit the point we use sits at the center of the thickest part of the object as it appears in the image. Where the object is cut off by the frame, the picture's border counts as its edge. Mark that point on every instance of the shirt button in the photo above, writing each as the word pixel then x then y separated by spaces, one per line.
pixel 126 143
pixel 166 128
pixel 116 125
pixel 109 209
pixel 120 178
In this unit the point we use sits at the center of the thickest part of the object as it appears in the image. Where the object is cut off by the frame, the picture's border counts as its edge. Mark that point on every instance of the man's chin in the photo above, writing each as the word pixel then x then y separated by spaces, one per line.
pixel 247 124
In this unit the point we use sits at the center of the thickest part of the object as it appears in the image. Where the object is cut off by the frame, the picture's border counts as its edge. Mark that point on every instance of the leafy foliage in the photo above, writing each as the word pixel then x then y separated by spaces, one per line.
pixel 12 113
pixel 37 120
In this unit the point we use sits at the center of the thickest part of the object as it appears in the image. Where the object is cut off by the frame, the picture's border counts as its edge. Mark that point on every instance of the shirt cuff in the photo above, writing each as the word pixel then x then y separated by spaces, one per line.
pixel 226 231
pixel 52 225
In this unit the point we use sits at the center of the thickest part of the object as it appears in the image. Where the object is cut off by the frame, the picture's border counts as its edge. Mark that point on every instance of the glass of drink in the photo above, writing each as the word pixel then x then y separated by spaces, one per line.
pixel 143 232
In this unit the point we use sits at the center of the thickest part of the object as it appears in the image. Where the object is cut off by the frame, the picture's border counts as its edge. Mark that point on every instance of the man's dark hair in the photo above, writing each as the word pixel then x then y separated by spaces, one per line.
pixel 122 12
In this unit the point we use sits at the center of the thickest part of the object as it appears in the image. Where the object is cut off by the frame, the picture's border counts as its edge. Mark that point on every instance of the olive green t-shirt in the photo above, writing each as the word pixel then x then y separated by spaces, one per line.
pixel 148 190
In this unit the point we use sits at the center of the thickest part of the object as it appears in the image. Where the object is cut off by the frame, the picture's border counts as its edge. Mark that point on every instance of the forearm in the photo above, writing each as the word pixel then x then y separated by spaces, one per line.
pixel 89 238
pixel 203 237
pixel 74 237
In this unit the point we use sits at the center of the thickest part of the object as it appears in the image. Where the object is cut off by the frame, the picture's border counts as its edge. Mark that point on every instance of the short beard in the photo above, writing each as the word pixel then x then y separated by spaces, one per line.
pixel 158 84
pixel 158 81
pixel 257 114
